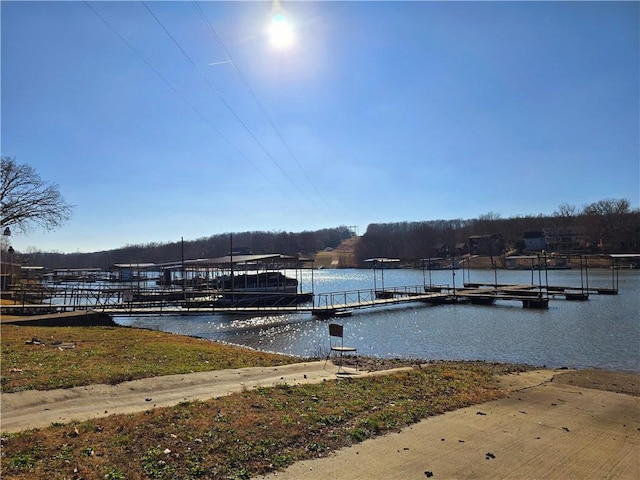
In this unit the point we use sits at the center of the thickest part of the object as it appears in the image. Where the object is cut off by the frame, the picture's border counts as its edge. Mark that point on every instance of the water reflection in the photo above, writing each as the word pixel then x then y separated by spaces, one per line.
pixel 602 332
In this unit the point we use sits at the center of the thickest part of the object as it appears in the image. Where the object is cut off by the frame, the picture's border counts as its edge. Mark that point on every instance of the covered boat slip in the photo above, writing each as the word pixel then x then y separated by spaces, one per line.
pixel 231 280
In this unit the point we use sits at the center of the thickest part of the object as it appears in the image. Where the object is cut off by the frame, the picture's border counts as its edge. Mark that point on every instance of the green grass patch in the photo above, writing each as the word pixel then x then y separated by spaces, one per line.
pixel 111 355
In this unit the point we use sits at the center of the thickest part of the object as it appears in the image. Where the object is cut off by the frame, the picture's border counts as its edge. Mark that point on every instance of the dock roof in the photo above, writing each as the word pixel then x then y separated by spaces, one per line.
pixel 382 260
pixel 229 260
pixel 139 266
pixel 236 259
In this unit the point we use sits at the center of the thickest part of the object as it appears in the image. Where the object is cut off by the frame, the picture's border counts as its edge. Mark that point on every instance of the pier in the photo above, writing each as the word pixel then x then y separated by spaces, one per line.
pixel 197 294
pixel 112 301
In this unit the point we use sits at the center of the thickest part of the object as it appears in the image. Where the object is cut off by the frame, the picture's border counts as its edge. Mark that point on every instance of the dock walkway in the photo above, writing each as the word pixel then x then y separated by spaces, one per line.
pixel 333 303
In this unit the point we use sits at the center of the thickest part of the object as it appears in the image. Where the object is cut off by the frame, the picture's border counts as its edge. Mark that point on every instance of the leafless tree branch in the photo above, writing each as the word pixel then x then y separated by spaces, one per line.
pixel 27 201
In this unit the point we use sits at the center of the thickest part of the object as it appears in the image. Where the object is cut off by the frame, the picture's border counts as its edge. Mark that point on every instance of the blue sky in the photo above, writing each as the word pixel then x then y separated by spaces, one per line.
pixel 163 120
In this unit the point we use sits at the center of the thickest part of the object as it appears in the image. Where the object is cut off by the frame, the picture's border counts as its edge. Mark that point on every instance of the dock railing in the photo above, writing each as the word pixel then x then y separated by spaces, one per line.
pixel 343 299
pixel 366 297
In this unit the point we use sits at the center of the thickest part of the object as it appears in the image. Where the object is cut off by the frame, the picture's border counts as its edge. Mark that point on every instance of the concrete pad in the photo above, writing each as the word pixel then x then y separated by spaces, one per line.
pixel 545 430
pixel 37 409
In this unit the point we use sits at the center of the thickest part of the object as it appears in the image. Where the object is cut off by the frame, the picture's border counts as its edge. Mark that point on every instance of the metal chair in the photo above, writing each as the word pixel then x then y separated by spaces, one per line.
pixel 336 331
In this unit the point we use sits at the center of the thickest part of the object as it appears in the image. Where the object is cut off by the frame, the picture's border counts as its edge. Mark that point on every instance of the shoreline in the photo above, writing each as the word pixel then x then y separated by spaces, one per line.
pixel 84 319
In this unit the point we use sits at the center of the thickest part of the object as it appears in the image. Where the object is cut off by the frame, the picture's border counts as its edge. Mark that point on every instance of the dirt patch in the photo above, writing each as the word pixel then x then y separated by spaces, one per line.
pixel 618 382
pixel 343 256
pixel 374 364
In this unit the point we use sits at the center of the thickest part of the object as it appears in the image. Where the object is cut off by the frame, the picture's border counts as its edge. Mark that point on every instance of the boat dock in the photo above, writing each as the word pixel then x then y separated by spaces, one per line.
pixel 322 305
pixel 247 289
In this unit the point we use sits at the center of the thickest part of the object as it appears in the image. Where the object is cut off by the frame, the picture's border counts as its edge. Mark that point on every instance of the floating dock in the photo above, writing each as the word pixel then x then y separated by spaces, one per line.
pixel 326 305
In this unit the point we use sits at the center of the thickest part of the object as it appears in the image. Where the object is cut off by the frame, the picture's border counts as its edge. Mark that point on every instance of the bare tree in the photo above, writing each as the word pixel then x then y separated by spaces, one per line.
pixel 566 210
pixel 607 221
pixel 26 200
pixel 608 207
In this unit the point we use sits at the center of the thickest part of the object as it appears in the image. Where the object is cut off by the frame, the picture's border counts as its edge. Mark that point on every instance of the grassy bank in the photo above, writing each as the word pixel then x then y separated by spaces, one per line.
pixel 110 355
pixel 237 436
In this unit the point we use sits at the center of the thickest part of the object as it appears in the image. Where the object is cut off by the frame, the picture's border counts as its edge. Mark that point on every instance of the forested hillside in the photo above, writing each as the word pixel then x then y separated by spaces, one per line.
pixel 303 243
pixel 607 226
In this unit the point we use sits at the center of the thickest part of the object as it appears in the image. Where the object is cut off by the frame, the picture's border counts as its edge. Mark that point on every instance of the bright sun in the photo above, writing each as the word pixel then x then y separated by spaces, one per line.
pixel 280 32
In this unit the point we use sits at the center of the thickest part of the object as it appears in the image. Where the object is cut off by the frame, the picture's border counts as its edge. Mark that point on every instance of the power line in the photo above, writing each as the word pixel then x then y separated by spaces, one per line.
pixel 226 104
pixel 246 83
pixel 176 91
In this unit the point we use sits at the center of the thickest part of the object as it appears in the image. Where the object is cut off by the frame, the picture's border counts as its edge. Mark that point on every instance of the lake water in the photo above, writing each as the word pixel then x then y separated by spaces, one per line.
pixel 602 332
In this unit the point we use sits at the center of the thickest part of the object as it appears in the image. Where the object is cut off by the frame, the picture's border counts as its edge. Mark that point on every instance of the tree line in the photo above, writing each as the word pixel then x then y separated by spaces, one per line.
pixel 287 243
pixel 606 226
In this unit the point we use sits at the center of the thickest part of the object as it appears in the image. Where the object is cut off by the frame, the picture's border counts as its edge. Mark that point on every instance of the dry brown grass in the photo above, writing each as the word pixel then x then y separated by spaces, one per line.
pixel 343 256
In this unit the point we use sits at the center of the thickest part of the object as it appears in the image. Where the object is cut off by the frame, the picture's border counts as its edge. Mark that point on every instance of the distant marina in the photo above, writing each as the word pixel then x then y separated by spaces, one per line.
pixel 601 332
pixel 276 283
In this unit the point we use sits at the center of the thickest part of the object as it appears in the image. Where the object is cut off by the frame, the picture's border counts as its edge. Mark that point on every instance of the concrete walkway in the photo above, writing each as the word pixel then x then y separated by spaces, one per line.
pixel 37 409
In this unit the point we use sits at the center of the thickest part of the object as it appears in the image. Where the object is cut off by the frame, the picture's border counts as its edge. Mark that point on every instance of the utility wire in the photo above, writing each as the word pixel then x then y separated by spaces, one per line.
pixel 226 104
pixel 246 83
pixel 176 91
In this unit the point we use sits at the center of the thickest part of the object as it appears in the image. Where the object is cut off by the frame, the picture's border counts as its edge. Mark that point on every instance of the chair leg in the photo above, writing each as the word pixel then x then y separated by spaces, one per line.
pixel 326 360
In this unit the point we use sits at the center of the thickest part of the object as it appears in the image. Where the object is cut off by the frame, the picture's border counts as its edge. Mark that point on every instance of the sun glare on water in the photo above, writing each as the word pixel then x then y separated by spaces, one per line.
pixel 280 32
